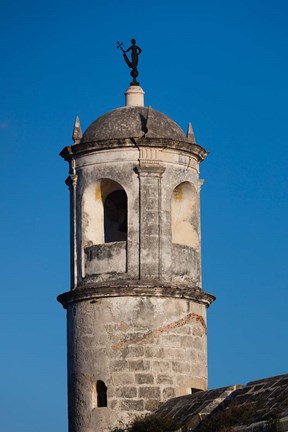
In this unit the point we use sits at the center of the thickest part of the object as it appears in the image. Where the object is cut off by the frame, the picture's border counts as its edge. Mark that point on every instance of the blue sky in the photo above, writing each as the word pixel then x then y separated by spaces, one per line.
pixel 221 65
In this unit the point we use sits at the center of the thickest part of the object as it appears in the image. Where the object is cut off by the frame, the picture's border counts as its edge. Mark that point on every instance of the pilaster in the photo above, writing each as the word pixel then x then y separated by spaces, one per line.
pixel 71 182
pixel 150 219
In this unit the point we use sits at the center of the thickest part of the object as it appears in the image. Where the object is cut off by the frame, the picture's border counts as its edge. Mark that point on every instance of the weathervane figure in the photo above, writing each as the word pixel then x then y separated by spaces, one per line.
pixel 135 51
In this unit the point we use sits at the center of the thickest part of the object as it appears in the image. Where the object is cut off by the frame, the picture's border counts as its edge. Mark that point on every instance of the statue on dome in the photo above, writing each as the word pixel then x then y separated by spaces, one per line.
pixel 133 63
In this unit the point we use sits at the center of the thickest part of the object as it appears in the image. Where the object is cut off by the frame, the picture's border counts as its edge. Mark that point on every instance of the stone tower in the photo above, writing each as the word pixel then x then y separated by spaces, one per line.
pixel 136 311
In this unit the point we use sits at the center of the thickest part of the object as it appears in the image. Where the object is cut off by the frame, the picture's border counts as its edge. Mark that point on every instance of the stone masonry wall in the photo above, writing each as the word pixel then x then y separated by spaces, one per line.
pixel 146 350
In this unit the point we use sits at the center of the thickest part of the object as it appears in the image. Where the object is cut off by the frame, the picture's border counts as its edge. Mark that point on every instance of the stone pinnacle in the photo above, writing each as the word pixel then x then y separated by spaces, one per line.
pixel 77 132
pixel 190 134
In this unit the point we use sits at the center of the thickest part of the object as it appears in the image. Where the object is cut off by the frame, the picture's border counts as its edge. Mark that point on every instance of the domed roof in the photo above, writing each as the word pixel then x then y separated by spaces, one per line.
pixel 133 122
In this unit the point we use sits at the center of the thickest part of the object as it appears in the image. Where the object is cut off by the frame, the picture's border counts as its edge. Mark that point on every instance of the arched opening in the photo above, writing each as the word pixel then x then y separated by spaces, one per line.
pixel 104 213
pixel 104 228
pixel 101 390
pixel 184 215
pixel 115 216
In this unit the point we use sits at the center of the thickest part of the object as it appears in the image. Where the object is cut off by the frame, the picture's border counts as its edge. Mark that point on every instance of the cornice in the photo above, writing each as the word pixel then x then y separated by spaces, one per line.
pixel 91 292
pixel 198 152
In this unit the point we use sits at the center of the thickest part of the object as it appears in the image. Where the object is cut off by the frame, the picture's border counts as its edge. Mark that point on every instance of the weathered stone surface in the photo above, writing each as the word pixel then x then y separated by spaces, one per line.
pixel 139 365
pixel 128 122
pixel 161 366
pixel 134 351
pixel 123 378
pixel 144 378
pixel 149 393
pixel 165 379
pixel 181 367
pixel 154 352
pixel 105 258
pixel 131 405
pixel 115 358
pixel 169 340
pixel 180 255
pixel 126 392
pixel 172 353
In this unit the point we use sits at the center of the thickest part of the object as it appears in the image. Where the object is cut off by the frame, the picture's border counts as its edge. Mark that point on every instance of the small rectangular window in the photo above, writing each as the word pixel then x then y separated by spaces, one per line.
pixel 101 390
pixel 195 390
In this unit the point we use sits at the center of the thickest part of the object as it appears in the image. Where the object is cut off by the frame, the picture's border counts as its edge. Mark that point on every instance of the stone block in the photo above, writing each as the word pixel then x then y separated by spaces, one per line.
pixel 181 367
pixel 131 405
pixel 154 352
pixel 139 365
pixel 122 378
pixel 134 351
pixel 119 365
pixel 126 392
pixel 174 353
pixel 164 379
pixel 171 340
pixel 144 379
pixel 161 366
pixel 149 392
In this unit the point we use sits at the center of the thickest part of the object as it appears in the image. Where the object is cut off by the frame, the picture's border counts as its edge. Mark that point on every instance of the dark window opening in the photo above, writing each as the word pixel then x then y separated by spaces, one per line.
pixel 115 217
pixel 101 394
pixel 195 390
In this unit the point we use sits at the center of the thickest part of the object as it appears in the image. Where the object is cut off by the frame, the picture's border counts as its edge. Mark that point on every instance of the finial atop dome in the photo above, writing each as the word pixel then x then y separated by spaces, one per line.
pixel 135 52
pixel 134 96
pixel 77 132
pixel 190 134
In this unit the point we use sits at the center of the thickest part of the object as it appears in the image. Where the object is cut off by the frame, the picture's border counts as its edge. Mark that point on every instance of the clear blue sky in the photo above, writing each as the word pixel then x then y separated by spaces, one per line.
pixel 223 66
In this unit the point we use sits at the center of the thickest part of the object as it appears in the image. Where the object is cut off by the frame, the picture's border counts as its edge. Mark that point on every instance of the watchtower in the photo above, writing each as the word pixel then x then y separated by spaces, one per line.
pixel 136 312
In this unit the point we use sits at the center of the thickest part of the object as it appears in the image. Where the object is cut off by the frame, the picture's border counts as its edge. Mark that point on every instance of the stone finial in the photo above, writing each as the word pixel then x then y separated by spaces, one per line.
pixel 134 96
pixel 190 134
pixel 77 132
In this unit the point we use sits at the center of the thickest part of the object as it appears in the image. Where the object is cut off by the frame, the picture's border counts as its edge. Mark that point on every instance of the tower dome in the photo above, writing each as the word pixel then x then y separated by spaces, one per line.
pixel 133 122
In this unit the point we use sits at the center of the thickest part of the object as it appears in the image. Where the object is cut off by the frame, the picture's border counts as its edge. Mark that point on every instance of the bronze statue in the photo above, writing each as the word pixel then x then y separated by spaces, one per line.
pixel 135 51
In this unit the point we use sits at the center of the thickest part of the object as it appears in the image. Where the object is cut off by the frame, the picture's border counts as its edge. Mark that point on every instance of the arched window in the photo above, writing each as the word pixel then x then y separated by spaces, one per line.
pixel 185 215
pixel 115 216
pixel 101 390
pixel 104 213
